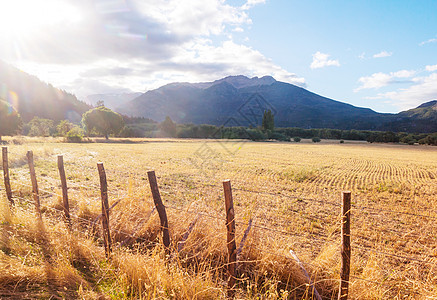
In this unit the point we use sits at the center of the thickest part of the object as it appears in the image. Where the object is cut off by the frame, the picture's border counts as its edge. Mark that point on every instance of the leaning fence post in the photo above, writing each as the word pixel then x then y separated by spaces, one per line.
pixel 6 175
pixel 34 182
pixel 105 209
pixel 160 208
pixel 65 205
pixel 345 246
pixel 232 247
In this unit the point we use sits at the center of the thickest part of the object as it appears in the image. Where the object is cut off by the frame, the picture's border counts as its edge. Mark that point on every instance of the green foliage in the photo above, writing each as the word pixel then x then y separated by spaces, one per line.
pixel 103 120
pixel 316 139
pixel 41 127
pixel 168 127
pixel 341 141
pixel 297 139
pixel 256 134
pixel 75 135
pixel 268 122
pixel 10 120
pixel 64 127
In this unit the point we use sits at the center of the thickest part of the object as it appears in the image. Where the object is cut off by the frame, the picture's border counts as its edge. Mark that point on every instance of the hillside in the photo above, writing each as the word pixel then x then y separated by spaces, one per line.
pixel 111 101
pixel 32 97
pixel 244 99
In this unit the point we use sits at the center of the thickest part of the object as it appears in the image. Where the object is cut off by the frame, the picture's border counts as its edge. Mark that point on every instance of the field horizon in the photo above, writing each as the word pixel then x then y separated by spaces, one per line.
pixel 290 191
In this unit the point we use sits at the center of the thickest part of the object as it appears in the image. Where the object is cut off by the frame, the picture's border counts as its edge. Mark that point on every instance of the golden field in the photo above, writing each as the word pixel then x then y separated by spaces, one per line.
pixel 291 191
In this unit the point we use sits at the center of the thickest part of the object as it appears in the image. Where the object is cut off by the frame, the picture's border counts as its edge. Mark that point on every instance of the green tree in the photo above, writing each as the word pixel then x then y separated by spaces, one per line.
pixel 168 126
pixel 268 122
pixel 103 120
pixel 40 127
pixel 64 127
pixel 10 120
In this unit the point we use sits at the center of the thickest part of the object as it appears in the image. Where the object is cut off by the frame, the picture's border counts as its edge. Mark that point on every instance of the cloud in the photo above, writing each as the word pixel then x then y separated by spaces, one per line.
pixel 379 80
pixel 251 3
pixel 431 68
pixel 382 54
pixel 321 60
pixel 430 41
pixel 142 44
pixel 424 90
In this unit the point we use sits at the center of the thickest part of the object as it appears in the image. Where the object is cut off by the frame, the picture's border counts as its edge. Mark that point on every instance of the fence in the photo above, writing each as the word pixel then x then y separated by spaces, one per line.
pixel 230 222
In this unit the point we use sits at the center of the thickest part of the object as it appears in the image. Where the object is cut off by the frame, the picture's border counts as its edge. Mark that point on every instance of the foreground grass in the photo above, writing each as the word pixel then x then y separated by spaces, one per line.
pixel 286 187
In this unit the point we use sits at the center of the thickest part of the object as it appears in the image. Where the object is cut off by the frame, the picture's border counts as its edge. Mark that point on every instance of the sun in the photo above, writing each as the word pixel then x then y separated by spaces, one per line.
pixel 24 18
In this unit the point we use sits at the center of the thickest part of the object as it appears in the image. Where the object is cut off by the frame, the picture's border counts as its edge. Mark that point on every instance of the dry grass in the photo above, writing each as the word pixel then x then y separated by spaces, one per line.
pixel 287 187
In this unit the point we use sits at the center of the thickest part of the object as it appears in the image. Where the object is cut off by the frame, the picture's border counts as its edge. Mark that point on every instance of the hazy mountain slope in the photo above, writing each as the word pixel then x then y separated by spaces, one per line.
pixel 112 101
pixel 32 97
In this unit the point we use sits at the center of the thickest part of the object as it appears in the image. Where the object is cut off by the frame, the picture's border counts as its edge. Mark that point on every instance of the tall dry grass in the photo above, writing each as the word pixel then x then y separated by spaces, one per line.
pixel 287 188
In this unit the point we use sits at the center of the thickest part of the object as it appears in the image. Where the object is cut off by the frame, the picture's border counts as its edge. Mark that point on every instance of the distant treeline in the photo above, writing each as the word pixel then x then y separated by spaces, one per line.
pixel 149 129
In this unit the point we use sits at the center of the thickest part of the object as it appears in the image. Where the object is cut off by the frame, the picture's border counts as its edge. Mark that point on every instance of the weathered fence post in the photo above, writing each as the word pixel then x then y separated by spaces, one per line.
pixel 34 182
pixel 345 246
pixel 6 175
pixel 161 209
pixel 105 209
pixel 232 247
pixel 65 204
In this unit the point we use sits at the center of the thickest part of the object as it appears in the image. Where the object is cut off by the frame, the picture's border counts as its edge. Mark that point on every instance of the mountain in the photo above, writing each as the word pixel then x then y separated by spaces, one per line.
pixel 112 101
pixel 238 100
pixel 420 119
pixel 32 97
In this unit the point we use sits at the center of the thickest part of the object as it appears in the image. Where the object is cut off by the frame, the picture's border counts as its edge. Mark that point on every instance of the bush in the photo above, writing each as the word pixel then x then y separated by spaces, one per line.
pixel 75 135
pixel 297 139
pixel 341 141
pixel 316 139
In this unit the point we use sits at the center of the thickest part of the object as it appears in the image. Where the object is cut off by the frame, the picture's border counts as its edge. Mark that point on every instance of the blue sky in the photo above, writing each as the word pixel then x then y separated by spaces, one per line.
pixel 377 54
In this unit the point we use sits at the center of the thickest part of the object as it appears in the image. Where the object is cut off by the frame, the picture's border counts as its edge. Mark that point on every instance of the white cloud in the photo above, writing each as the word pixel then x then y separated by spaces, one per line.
pixel 378 80
pixel 430 41
pixel 431 68
pixel 142 44
pixel 321 60
pixel 424 90
pixel 251 3
pixel 382 54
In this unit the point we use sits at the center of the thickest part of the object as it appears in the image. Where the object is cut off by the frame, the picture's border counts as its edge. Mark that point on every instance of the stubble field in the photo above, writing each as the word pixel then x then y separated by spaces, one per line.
pixel 290 191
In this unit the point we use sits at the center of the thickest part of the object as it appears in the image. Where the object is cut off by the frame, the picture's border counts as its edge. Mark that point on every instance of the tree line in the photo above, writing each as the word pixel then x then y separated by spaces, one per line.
pixel 101 121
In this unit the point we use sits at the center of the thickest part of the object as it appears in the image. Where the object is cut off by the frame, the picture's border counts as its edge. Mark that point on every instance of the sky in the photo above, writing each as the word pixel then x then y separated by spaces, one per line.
pixel 369 53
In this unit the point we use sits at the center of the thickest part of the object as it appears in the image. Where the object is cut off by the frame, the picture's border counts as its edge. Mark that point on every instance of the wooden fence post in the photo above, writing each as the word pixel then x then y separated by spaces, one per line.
pixel 105 209
pixel 345 246
pixel 65 204
pixel 6 175
pixel 34 182
pixel 161 209
pixel 232 247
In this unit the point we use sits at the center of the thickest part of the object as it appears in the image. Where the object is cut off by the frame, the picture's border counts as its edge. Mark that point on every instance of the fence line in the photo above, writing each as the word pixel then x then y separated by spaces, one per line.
pixel 230 219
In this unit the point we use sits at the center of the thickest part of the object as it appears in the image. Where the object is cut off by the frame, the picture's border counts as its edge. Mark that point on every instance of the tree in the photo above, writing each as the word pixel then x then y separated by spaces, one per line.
pixel 10 120
pixel 168 126
pixel 40 127
pixel 64 127
pixel 103 120
pixel 268 122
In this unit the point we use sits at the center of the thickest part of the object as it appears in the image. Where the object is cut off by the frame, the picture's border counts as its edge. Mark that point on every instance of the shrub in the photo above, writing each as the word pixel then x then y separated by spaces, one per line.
pixel 297 139
pixel 316 139
pixel 75 135
pixel 341 141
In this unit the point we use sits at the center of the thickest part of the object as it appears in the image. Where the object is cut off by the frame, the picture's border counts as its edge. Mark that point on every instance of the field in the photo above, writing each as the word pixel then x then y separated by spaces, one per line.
pixel 291 191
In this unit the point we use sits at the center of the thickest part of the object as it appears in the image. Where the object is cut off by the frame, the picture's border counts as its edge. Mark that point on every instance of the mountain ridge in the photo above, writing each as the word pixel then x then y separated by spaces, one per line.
pixel 217 101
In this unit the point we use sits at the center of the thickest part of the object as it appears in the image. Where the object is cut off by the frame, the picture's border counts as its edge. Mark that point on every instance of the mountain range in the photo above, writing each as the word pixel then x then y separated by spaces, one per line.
pixel 241 101
pixel 230 101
